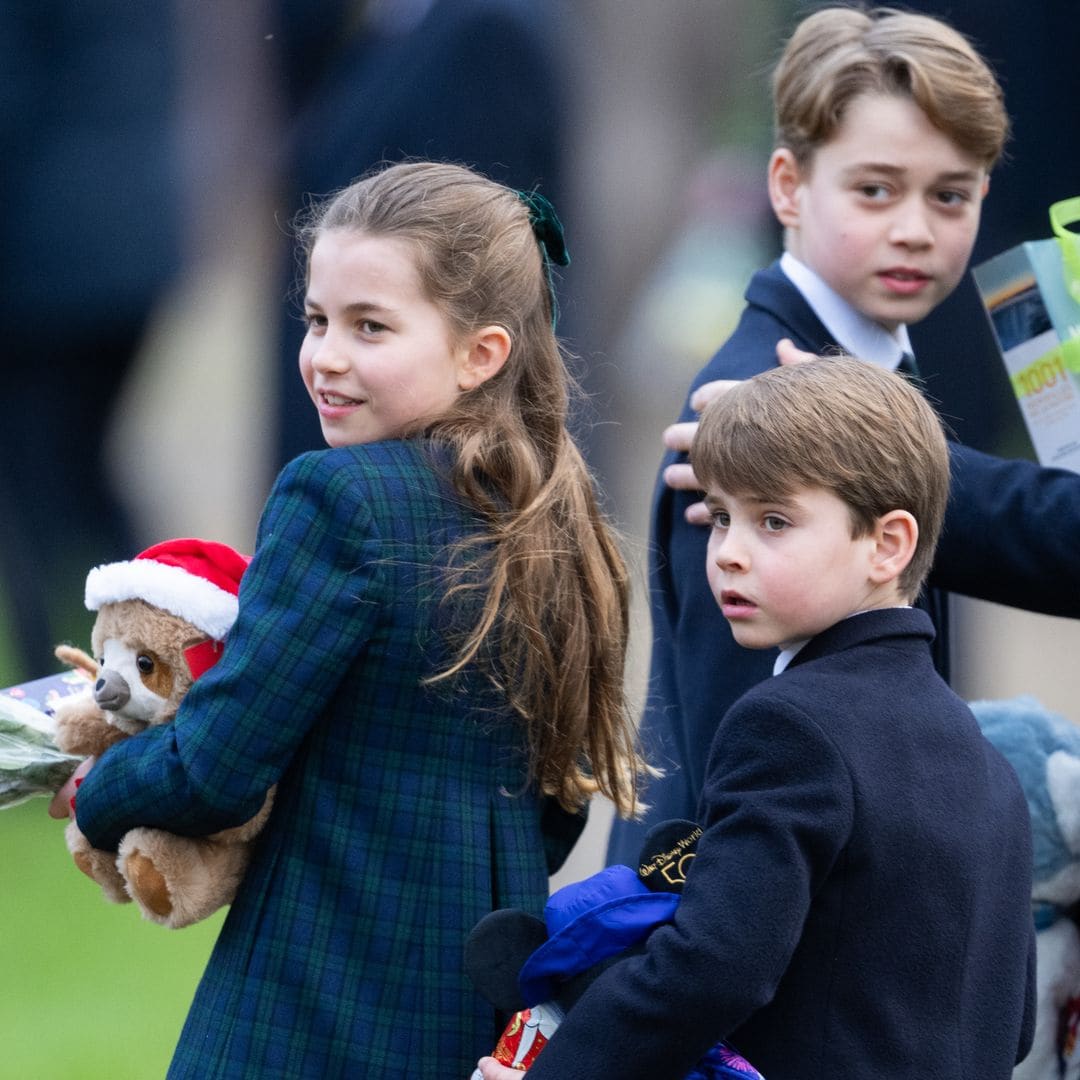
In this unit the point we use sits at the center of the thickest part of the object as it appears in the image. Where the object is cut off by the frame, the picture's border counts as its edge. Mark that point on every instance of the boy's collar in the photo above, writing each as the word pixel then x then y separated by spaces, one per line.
pixel 858 335
pixel 787 655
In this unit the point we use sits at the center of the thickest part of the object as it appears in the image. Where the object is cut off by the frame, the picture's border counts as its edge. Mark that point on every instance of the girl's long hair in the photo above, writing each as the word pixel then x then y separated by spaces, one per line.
pixel 553 626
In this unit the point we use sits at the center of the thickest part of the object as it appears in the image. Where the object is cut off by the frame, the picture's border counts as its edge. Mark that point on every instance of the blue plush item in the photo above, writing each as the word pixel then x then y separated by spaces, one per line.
pixel 589 921
pixel 722 1063
pixel 606 914
pixel 519 962
pixel 1044 750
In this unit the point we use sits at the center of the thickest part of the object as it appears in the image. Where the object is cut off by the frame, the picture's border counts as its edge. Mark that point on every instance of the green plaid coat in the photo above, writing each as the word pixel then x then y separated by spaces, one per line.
pixel 392 833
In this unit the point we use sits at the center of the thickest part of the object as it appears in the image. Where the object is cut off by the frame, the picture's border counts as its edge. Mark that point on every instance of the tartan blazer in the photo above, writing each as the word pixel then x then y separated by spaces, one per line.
pixel 1009 537
pixel 401 815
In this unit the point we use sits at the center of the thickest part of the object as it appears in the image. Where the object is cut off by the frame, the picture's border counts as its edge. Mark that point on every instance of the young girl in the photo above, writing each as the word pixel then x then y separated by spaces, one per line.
pixel 428 656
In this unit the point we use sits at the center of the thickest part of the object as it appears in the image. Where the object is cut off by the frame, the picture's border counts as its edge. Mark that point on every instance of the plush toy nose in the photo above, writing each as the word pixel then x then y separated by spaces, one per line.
pixel 111 691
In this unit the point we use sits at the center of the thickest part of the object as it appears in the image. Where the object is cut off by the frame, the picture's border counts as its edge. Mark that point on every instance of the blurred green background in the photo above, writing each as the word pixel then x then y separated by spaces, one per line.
pixel 94 991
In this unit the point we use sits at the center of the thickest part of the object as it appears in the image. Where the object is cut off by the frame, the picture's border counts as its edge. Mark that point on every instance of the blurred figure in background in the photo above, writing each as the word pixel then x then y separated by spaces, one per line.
pixel 88 242
pixel 669 135
pixel 141 138
pixel 474 82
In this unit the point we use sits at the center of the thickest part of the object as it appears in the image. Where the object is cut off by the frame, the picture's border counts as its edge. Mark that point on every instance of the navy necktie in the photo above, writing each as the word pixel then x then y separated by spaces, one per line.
pixel 907 366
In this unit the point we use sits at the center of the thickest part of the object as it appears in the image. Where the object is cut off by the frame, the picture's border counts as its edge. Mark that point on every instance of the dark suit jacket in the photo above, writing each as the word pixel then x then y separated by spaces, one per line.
pixel 1010 537
pixel 392 832
pixel 860 902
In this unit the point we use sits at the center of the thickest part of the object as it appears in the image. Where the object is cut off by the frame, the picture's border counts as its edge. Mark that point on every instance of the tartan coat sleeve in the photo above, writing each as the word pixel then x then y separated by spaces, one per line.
pixel 299 625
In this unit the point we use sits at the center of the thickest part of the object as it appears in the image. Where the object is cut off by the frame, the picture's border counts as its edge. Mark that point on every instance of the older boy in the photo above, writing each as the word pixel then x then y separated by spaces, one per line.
pixel 860 902
pixel 887 125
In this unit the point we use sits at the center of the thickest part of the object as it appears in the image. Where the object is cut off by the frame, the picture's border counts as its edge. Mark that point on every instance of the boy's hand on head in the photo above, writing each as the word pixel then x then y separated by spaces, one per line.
pixel 682 478
pixel 679 436
pixel 707 392
pixel 787 353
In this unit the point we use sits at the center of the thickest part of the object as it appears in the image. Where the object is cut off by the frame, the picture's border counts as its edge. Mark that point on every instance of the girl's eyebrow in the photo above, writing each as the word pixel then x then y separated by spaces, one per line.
pixel 366 307
pixel 356 308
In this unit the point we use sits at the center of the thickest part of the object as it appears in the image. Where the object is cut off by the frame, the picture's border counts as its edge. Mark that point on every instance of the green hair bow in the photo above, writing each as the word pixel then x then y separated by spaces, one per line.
pixel 548 230
pixel 547 227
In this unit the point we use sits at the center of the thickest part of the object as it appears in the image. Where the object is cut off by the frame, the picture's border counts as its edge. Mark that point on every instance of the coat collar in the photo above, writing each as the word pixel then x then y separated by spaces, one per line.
pixel 856 333
pixel 772 290
pixel 866 627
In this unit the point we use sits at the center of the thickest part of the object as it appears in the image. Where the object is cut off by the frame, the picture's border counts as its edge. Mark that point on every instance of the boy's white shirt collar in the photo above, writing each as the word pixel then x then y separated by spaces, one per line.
pixel 858 335
pixel 789 654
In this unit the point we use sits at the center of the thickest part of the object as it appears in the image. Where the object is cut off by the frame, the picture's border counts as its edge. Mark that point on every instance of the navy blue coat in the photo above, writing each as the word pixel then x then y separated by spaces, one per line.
pixel 860 903
pixel 1010 537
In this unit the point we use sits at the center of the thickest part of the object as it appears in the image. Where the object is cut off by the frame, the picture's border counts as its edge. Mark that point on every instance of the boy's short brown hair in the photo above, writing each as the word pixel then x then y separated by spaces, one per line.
pixel 845 425
pixel 839 53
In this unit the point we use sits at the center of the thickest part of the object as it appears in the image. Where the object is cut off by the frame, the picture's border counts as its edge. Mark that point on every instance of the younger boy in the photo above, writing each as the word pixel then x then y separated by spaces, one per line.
pixel 887 125
pixel 859 904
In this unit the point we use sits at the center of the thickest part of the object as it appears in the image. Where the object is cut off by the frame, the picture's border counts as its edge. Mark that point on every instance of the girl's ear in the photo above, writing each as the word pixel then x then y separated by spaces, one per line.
pixel 485 353
pixel 785 177
pixel 895 538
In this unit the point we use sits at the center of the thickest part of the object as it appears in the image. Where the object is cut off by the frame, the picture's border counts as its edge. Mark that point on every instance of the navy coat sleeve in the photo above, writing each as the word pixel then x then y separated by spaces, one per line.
pixel 1010 534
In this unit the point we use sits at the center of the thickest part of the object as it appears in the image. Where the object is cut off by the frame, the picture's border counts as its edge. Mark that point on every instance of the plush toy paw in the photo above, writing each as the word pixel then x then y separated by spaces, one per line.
pixel 147 885
pixel 81 728
pixel 99 866
pixel 180 880
pixel 77 659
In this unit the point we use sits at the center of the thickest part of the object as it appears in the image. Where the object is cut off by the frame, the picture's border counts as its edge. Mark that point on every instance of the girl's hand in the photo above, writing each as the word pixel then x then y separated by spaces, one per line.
pixel 679 436
pixel 490 1069
pixel 63 802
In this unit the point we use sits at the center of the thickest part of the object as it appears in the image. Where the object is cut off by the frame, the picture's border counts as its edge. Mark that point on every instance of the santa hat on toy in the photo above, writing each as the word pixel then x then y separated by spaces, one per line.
pixel 196 580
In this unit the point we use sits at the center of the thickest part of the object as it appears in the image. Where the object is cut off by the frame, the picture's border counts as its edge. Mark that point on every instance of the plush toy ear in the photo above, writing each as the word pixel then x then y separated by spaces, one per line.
pixel 667 853
pixel 77 659
pixel 495 950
